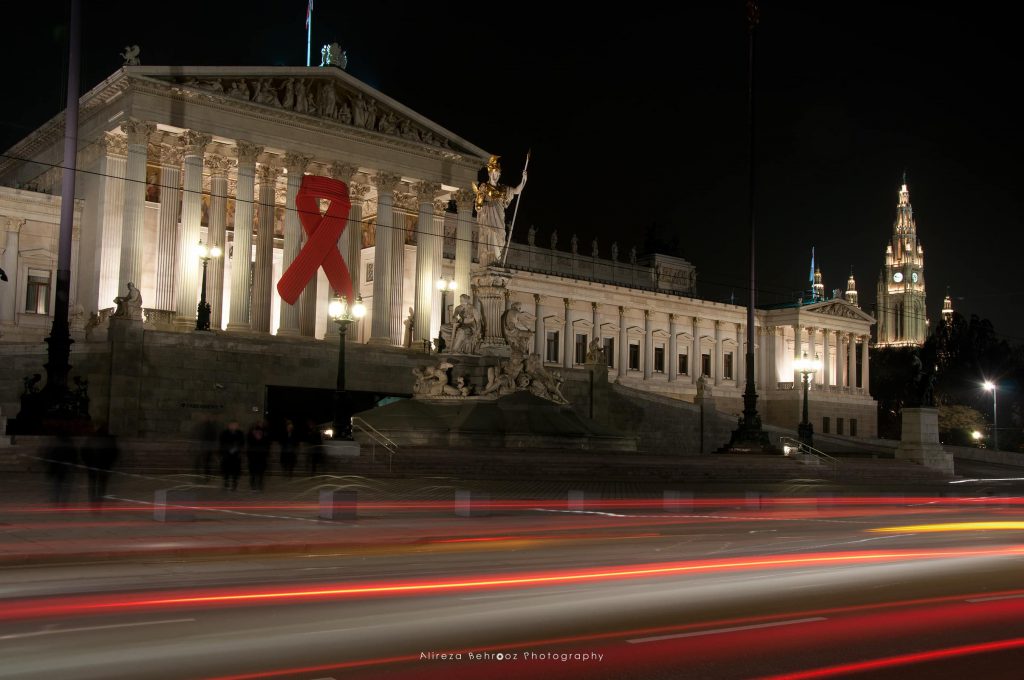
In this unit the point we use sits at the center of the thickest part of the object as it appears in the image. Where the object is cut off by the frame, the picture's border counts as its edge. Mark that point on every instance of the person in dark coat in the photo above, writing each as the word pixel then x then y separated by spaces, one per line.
pixel 257 451
pixel 232 442
pixel 99 455
pixel 290 442
pixel 61 459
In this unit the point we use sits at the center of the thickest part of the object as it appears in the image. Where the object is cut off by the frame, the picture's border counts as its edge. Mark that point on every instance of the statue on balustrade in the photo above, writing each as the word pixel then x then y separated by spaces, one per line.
pixel 129 306
pixel 515 326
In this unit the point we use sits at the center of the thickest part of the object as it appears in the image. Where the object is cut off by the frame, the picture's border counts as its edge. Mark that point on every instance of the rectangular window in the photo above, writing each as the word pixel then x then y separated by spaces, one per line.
pixel 552 346
pixel 853 427
pixel 634 357
pixel 705 364
pixel 659 359
pixel 37 296
pixel 727 366
pixel 609 351
pixel 581 348
pixel 369 272
pixel 825 424
pixel 684 364
pixel 839 425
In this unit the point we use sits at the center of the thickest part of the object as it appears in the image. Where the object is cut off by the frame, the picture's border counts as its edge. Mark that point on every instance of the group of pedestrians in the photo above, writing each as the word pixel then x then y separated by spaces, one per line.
pixel 232 445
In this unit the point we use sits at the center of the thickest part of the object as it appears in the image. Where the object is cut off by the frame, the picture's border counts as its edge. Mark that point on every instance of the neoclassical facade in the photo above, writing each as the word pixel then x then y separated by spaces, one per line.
pixel 169 157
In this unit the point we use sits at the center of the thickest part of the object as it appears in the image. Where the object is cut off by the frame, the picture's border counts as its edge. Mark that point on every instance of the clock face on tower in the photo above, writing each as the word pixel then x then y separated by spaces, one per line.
pixel 913 277
pixel 897 277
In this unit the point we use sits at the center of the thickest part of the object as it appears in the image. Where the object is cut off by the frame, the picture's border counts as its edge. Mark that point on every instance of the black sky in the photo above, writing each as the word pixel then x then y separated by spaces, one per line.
pixel 637 119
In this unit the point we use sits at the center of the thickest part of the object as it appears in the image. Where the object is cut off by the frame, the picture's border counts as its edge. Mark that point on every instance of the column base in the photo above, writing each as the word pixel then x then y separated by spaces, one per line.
pixel 379 342
pixel 238 328
pixel 288 333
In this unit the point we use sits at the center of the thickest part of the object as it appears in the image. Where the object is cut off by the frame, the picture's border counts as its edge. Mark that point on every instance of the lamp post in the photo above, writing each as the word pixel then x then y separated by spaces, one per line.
pixel 807 368
pixel 993 388
pixel 444 284
pixel 343 315
pixel 204 253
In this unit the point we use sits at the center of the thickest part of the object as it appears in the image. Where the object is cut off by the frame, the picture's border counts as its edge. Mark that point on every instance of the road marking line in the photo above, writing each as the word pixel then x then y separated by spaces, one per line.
pixel 18 636
pixel 994 598
pixel 733 629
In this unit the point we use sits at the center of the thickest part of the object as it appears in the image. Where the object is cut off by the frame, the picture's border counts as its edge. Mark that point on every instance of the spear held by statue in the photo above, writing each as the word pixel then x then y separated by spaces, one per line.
pixel 515 212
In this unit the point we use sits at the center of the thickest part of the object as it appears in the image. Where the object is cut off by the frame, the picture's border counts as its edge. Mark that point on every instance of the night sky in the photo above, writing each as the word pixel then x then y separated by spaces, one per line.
pixel 637 120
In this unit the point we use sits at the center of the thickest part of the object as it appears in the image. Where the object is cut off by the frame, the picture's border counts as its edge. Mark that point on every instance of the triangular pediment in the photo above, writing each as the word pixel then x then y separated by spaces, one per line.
pixel 328 95
pixel 838 308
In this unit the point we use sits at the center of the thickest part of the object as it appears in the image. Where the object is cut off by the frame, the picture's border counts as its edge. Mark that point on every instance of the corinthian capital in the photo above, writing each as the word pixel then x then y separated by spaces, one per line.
pixel 296 163
pixel 464 198
pixel 218 165
pixel 247 152
pixel 114 145
pixel 137 131
pixel 170 156
pixel 426 192
pixel 268 174
pixel 358 192
pixel 194 143
pixel 386 182
pixel 343 171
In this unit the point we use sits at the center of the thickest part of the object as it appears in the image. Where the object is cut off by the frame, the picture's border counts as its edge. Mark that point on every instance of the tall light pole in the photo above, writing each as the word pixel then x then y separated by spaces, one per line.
pixel 444 285
pixel 993 388
pixel 806 367
pixel 343 315
pixel 204 253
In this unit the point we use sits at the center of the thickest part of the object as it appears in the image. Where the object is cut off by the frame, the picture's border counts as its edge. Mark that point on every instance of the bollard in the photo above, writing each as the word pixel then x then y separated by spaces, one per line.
pixel 165 502
pixel 753 500
pixel 471 503
pixel 577 500
pixel 337 504
pixel 678 501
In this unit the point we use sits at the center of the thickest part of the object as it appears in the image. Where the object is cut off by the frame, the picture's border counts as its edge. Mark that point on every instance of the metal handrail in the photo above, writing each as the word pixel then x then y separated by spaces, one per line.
pixel 803 447
pixel 376 437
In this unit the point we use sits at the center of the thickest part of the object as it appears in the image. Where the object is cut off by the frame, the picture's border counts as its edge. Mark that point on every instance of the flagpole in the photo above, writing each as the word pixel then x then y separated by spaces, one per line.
pixel 515 212
pixel 309 32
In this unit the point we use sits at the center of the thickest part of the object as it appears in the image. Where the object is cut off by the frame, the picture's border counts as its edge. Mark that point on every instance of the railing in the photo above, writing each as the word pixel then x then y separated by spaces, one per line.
pixel 790 445
pixel 376 437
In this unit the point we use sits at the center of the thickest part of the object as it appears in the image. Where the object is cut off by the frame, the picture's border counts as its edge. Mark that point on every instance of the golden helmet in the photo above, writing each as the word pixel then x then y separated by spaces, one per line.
pixel 493 164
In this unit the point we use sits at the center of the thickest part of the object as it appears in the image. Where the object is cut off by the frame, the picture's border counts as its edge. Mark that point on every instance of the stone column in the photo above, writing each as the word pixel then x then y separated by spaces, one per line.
pixel 428 263
pixel 9 291
pixel 134 215
pixel 623 343
pixel 489 288
pixel 295 165
pixel 388 267
pixel 216 235
pixel 812 349
pixel 538 328
pixel 187 294
pixel 718 353
pixel 167 231
pixel 648 358
pixel 797 352
pixel 263 275
pixel 673 349
pixel 826 350
pixel 463 241
pixel 852 368
pixel 865 385
pixel 568 341
pixel 841 371
pixel 695 360
pixel 241 248
pixel 595 322
pixel 102 286
pixel 350 243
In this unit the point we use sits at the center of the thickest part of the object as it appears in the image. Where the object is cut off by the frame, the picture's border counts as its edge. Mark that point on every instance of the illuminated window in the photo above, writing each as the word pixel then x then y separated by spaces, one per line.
pixel 37 294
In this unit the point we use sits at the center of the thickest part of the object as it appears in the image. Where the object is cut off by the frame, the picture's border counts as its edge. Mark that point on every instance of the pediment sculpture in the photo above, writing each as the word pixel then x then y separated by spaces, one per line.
pixel 321 97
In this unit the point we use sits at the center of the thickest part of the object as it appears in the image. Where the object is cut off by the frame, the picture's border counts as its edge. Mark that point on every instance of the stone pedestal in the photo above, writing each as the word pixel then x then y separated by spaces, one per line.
pixel 174 505
pixel 678 501
pixel 919 440
pixel 338 504
pixel 490 285
pixel 471 503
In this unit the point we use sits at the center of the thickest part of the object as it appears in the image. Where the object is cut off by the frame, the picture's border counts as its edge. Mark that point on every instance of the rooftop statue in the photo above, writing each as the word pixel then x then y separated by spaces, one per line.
pixel 131 55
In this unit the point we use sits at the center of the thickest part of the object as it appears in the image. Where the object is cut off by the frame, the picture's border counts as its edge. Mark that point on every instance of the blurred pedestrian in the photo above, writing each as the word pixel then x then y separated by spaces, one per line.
pixel 257 451
pixel 99 455
pixel 61 459
pixel 315 446
pixel 232 441
pixel 290 442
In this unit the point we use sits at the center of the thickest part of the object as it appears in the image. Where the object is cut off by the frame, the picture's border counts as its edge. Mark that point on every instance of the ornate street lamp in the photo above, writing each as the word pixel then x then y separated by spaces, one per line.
pixel 204 253
pixel 806 367
pixel 993 388
pixel 343 315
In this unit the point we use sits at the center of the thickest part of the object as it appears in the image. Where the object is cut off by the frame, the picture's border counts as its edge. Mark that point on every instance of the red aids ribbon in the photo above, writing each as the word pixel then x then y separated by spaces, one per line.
pixel 321 247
